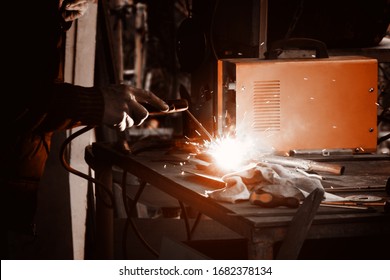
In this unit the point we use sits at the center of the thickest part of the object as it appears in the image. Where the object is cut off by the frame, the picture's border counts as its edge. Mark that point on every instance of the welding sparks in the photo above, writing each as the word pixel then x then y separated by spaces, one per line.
pixel 230 153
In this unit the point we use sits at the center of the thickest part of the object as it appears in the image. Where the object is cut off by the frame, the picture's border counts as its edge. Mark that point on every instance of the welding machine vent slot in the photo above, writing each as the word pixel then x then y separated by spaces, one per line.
pixel 266 105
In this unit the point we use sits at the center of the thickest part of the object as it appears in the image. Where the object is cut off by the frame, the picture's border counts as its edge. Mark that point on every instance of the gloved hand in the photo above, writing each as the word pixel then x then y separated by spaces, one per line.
pixel 122 106
pixel 73 9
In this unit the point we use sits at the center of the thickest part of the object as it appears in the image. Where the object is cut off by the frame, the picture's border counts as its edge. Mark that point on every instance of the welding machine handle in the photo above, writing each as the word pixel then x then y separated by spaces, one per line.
pixel 297 43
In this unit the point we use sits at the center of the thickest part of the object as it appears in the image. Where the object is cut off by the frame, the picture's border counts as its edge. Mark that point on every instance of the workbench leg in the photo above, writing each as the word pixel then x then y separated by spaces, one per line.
pixel 261 251
pixel 104 214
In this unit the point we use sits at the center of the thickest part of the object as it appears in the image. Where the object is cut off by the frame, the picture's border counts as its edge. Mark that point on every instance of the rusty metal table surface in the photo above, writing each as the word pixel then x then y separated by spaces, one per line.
pixel 262 227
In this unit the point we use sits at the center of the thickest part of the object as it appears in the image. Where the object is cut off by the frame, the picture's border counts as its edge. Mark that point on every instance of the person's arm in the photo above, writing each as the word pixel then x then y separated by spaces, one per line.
pixel 113 105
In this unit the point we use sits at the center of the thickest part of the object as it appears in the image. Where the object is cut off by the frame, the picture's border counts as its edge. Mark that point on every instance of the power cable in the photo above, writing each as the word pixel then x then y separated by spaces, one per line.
pixel 70 169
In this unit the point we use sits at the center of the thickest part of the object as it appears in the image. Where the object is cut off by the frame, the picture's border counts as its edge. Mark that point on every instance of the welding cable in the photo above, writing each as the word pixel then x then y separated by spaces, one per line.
pixel 129 221
pixel 383 138
pixel 383 72
pixel 67 166
pixel 383 117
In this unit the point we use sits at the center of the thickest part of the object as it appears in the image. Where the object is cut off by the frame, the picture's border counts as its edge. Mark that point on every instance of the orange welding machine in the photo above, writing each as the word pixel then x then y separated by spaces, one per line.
pixel 301 104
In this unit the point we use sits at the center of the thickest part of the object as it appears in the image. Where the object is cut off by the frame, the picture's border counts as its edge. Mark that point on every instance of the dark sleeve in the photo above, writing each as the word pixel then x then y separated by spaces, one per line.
pixel 71 106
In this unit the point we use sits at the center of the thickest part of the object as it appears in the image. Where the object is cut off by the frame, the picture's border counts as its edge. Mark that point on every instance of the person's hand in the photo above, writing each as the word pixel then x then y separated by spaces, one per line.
pixel 122 106
pixel 73 9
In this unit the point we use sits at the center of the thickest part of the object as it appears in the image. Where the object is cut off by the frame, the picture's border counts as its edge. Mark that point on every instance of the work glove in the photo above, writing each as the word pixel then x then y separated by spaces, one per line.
pixel 73 9
pixel 123 108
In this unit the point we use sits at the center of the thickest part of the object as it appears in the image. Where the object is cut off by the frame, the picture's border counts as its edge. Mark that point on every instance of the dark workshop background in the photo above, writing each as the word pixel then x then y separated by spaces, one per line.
pixel 218 29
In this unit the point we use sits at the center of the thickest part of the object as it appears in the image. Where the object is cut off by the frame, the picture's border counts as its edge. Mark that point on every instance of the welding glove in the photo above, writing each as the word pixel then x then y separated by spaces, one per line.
pixel 268 185
pixel 123 108
pixel 73 9
pixel 234 190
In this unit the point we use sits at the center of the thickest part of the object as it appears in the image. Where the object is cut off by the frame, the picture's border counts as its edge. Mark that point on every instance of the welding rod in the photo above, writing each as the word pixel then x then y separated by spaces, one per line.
pixel 353 203
pixel 357 205
pixel 204 130
pixel 335 189
pixel 178 105
pixel 175 106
